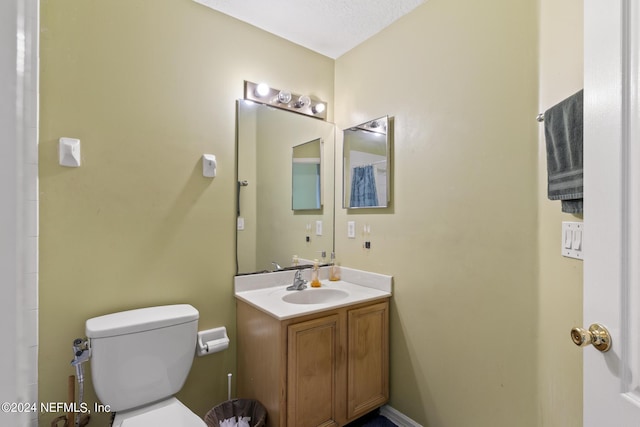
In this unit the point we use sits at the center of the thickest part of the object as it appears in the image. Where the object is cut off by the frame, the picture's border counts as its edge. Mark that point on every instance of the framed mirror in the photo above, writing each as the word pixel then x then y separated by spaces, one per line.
pixel 366 162
pixel 284 208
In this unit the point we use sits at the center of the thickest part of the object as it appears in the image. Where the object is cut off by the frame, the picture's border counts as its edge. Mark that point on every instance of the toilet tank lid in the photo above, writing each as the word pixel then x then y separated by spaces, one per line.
pixel 138 320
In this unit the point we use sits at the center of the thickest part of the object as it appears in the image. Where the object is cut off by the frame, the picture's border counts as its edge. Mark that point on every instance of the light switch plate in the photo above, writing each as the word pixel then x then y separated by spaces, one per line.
pixel 318 228
pixel 571 241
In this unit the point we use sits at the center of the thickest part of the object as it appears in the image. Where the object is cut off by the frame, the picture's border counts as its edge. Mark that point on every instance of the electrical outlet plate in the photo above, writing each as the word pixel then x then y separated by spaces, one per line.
pixel 351 229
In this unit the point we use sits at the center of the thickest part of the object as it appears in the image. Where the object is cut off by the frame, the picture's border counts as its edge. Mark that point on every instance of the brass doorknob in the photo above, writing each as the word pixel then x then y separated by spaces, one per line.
pixel 597 335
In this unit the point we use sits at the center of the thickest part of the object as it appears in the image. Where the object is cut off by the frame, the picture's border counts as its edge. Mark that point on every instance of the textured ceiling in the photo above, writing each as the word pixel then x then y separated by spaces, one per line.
pixel 329 27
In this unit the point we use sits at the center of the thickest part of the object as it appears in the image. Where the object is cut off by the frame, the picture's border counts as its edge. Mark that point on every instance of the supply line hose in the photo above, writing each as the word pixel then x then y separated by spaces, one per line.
pixel 81 354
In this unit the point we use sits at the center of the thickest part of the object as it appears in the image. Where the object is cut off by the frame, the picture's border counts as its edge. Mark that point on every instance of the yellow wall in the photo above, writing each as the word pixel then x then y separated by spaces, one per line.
pixel 460 79
pixel 560 283
pixel 148 86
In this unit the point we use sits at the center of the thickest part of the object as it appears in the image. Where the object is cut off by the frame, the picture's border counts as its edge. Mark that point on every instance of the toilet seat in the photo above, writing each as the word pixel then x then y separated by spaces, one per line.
pixel 167 413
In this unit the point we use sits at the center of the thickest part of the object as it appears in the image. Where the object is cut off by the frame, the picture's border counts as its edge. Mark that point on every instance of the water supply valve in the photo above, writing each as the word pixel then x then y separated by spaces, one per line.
pixel 81 353
pixel 81 356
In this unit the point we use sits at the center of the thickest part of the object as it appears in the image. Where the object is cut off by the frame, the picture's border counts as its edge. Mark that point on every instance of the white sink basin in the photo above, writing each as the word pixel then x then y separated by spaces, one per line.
pixel 268 293
pixel 315 296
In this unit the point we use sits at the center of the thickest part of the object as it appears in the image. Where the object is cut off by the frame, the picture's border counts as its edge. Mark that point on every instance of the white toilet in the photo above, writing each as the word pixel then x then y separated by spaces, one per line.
pixel 140 359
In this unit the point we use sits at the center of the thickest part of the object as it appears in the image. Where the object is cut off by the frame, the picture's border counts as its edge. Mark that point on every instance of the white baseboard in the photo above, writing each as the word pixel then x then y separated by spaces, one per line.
pixel 397 417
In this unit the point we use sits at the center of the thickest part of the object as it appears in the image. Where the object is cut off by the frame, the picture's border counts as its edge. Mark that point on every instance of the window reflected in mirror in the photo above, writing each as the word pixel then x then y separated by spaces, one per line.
pixel 306 192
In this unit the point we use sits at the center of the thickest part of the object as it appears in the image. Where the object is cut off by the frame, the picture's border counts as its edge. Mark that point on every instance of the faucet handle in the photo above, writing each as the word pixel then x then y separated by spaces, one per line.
pixel 298 278
pixel 298 282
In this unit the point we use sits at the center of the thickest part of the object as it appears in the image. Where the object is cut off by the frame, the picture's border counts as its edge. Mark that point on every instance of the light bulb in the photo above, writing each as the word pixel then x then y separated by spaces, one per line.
pixel 302 101
pixel 284 97
pixel 318 108
pixel 262 90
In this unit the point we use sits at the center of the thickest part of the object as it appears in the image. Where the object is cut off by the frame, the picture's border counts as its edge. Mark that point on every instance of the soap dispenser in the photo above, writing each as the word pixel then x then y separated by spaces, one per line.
pixel 334 269
pixel 315 282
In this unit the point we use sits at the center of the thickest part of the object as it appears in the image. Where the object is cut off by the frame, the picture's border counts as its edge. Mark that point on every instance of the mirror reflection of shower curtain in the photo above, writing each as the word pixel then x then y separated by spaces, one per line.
pixel 363 187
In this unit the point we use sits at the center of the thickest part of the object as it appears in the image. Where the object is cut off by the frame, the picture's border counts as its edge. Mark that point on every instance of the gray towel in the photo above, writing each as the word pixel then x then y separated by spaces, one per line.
pixel 563 134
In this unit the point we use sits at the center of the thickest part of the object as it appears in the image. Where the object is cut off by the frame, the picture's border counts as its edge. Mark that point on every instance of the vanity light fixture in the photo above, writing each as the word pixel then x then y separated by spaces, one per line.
pixel 376 126
pixel 283 99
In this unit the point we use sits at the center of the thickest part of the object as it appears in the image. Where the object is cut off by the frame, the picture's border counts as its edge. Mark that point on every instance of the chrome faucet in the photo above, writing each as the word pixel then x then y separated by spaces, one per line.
pixel 298 282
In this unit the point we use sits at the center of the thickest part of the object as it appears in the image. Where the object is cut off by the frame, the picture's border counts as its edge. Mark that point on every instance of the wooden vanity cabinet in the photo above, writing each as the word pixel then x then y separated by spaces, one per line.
pixel 313 365
pixel 367 359
pixel 324 369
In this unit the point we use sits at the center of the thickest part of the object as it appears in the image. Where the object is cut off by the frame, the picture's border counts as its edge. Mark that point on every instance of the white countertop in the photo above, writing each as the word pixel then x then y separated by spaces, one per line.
pixel 265 291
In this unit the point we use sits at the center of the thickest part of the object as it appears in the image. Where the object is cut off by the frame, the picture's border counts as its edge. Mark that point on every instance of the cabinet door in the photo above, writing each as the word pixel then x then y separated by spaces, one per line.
pixel 312 372
pixel 368 359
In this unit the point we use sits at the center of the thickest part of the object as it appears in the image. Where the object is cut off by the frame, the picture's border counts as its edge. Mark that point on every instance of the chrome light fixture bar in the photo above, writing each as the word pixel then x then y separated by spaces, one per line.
pixel 302 104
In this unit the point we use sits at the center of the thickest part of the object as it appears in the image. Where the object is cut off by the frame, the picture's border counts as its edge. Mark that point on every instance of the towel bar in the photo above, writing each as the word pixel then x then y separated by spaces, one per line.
pixel 540 117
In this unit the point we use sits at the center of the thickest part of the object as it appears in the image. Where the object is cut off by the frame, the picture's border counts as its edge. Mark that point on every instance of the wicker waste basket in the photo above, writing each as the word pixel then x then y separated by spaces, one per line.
pixel 238 412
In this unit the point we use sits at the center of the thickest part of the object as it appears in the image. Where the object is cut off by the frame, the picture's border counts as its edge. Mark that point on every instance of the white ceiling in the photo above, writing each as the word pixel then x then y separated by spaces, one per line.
pixel 329 27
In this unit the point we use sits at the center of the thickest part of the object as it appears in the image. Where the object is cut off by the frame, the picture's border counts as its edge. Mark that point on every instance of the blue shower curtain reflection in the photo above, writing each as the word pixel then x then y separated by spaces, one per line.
pixel 363 187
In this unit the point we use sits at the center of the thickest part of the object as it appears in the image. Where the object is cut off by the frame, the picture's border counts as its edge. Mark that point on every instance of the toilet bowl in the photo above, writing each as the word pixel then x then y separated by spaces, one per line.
pixel 140 359
pixel 168 412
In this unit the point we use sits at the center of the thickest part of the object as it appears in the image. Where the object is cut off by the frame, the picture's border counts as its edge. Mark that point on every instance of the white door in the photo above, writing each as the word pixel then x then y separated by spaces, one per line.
pixel 612 211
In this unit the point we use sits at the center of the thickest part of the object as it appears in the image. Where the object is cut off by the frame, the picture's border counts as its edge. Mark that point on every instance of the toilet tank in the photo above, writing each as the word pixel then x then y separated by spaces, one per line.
pixel 141 356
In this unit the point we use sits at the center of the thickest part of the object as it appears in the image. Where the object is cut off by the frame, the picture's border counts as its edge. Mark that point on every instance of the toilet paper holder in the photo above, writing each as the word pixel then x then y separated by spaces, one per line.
pixel 212 341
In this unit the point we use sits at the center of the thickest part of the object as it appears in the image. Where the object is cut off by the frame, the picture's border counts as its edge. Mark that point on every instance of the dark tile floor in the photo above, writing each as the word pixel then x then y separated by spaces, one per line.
pixel 373 419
